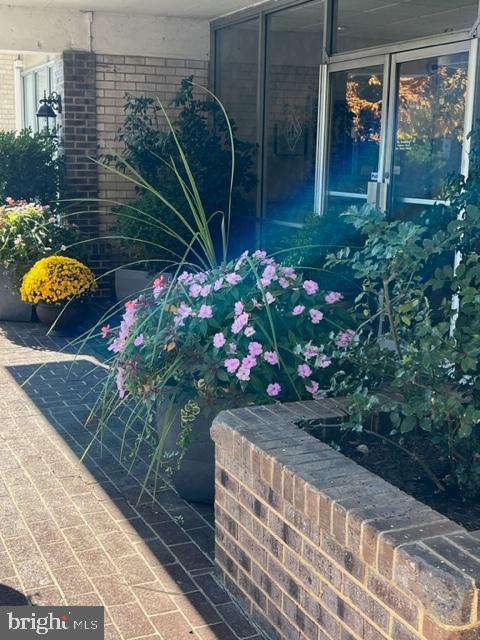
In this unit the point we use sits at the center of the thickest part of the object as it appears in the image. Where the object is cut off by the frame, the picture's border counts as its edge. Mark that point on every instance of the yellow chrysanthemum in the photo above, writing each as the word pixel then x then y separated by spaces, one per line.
pixel 57 279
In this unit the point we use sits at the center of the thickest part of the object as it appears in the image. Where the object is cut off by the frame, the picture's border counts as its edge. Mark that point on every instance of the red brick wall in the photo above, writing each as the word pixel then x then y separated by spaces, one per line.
pixel 316 547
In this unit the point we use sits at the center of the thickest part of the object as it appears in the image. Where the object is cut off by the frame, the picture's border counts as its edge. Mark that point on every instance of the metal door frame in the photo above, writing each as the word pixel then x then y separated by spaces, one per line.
pixel 390 61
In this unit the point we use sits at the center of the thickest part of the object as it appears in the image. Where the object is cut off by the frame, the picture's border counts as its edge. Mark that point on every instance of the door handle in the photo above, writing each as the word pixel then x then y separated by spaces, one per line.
pixel 377 194
pixel 372 192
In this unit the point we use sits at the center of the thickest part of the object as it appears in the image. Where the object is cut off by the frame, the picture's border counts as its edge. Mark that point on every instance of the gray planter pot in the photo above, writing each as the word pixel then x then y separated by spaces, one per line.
pixel 130 283
pixel 11 306
pixel 194 480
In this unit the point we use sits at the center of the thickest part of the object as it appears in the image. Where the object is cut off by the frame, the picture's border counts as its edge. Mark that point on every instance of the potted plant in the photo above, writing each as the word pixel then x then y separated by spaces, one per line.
pixel 60 287
pixel 28 231
pixel 250 331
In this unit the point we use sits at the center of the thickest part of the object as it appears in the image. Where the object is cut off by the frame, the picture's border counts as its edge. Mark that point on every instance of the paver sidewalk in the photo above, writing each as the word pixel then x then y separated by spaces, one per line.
pixel 70 532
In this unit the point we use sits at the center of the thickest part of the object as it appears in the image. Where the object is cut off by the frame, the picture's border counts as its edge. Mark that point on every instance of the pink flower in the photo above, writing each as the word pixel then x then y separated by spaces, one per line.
pixel 131 305
pixel 249 362
pixel 271 357
pixel 218 284
pixel 157 287
pixel 256 303
pixel 185 277
pixel 261 255
pixel 311 287
pixel 139 340
pixel 289 272
pixel 183 312
pixel 231 364
pixel 200 277
pixel 241 260
pixel 205 290
pixel 219 340
pixel 315 316
pixel 240 322
pixel 304 371
pixel 312 387
pixel 120 380
pixel 333 296
pixel 249 332
pixel 239 308
pixel 269 298
pixel 233 278
pixel 195 290
pixel 105 331
pixel 274 389
pixel 283 282
pixel 310 351
pixel 243 374
pixel 298 310
pixel 205 312
pixel 255 349
pixel 323 362
pixel 344 338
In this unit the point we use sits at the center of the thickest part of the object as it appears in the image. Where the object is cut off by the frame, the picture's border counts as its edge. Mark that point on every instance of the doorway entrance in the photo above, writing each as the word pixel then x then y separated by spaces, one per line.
pixel 397 128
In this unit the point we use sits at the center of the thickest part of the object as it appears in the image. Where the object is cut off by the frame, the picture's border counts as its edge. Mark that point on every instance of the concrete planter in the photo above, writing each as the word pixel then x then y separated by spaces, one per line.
pixel 11 306
pixel 315 546
pixel 130 283
pixel 195 478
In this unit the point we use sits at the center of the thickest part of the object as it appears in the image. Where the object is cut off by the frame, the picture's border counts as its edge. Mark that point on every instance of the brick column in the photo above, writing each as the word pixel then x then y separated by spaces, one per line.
pixel 80 148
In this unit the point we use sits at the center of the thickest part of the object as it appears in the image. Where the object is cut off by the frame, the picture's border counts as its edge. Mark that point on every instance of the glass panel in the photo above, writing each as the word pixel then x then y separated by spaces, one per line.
pixel 429 129
pixel 29 102
pixel 354 129
pixel 367 23
pixel 236 73
pixel 294 51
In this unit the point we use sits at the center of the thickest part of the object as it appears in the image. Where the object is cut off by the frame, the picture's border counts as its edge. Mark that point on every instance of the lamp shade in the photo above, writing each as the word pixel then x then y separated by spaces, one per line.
pixel 46 111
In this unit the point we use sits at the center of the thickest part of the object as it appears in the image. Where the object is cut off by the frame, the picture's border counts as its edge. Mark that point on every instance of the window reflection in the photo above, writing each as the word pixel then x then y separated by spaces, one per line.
pixel 294 46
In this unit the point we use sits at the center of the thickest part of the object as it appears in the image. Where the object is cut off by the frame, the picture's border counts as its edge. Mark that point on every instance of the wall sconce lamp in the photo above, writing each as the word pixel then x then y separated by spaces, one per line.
pixel 49 107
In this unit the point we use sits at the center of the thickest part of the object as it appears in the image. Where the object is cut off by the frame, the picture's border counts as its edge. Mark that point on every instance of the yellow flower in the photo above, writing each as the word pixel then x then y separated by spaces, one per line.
pixel 57 279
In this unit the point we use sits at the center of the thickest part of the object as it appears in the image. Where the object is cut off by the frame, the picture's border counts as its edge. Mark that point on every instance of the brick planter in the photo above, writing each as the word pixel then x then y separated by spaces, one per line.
pixel 316 547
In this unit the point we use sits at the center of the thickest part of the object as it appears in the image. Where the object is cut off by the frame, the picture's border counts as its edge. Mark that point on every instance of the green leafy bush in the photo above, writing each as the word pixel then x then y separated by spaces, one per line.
pixel 150 150
pixel 29 232
pixel 30 168
pixel 415 355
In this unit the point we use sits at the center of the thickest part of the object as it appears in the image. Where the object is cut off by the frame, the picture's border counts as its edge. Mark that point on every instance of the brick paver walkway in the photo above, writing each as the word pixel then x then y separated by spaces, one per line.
pixel 71 533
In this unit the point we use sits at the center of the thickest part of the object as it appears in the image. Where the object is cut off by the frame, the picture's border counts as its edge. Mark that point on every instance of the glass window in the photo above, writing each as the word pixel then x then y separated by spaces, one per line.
pixel 36 83
pixel 367 23
pixel 356 112
pixel 430 114
pixel 236 73
pixel 293 58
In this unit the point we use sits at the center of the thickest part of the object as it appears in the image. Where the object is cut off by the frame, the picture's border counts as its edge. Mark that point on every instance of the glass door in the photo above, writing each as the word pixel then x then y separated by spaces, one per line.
pixel 427 125
pixel 358 98
pixel 397 128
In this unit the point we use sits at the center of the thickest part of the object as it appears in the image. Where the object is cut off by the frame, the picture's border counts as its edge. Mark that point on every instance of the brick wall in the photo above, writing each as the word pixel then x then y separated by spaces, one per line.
pixel 315 547
pixel 117 75
pixel 7 92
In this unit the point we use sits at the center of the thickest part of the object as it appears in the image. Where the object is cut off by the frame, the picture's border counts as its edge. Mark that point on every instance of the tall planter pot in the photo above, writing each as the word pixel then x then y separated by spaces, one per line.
pixel 12 308
pixel 130 283
pixel 66 319
pixel 194 479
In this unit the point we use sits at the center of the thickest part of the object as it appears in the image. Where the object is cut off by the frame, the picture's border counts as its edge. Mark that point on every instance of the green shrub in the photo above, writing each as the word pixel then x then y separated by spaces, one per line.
pixel 423 370
pixel 150 150
pixel 30 168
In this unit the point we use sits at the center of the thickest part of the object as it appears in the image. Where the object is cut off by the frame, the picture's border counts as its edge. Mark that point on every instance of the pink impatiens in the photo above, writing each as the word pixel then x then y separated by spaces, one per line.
pixel 219 340
pixel 271 357
pixel 274 389
pixel 316 316
pixel 311 287
pixel 255 349
pixel 344 338
pixel 231 364
pixel 333 296
pixel 298 310
pixel 205 312
pixel 304 370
